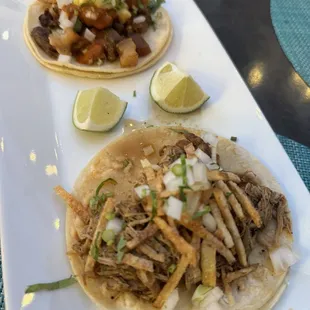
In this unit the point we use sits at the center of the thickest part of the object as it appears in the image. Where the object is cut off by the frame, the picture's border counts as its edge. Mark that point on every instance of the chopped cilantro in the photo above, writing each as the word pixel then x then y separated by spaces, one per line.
pixel 201 213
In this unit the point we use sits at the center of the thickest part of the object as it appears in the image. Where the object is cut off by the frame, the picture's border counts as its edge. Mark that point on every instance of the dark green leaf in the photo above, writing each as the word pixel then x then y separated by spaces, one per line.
pixel 154 204
pixel 201 213
pixel 234 139
pixel 134 93
pixel 78 26
pixel 50 286
pixel 140 5
pixel 154 5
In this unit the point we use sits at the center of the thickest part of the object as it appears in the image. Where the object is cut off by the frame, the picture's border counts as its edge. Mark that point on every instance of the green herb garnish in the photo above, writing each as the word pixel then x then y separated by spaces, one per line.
pixel 134 93
pixel 108 235
pixel 109 180
pixel 120 249
pixel 110 216
pixel 140 5
pixel 126 163
pixel 172 268
pixel 78 26
pixel 177 170
pixel 201 213
pixel 183 197
pixel 228 194
pixel 94 251
pixel 52 286
pixel 183 164
pixel 181 131
pixel 154 5
pixel 154 204
pixel 234 139
pixel 97 201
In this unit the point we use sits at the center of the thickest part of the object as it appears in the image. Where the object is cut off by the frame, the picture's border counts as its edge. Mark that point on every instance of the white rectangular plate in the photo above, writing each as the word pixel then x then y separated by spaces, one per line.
pixel 39 148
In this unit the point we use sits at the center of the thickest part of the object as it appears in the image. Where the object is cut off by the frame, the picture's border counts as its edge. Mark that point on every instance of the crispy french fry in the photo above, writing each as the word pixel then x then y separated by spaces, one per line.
pixel 196 244
pixel 231 225
pixel 227 288
pixel 149 173
pixel 231 276
pixel 171 222
pixel 180 244
pixel 172 282
pixel 148 232
pixel 216 175
pixel 151 253
pixel 231 199
pixel 208 265
pixel 138 262
pixel 73 203
pixel 206 195
pixel 102 223
pixel 196 227
pixel 246 203
pixel 220 224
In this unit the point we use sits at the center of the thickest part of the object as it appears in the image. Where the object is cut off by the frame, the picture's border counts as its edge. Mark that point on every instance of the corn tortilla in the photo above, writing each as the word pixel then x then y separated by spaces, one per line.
pixel 262 288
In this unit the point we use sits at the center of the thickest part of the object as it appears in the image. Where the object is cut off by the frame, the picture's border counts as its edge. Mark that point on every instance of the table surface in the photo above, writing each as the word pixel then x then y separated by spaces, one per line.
pixel 245 29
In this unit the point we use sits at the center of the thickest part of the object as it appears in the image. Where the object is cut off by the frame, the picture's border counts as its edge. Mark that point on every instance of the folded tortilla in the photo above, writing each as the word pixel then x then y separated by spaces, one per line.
pixel 159 41
pixel 262 288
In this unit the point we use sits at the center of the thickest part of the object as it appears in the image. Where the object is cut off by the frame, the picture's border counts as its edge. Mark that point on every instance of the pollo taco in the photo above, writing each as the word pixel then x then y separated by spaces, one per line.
pixel 167 218
pixel 98 39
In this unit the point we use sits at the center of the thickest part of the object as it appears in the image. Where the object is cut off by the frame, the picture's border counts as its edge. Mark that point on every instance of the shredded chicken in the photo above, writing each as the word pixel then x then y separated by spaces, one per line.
pixel 138 262
pixel 141 236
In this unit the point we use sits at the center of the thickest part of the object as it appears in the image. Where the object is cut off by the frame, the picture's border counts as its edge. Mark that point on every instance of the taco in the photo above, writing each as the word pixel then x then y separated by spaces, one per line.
pixel 178 219
pixel 97 39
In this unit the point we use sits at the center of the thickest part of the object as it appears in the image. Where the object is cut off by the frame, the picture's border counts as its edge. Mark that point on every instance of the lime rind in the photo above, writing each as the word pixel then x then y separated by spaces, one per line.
pixel 168 89
pixel 109 122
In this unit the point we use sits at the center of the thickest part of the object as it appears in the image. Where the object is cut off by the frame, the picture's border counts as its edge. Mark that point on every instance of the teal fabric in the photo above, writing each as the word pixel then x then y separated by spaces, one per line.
pixel 291 21
pixel 299 154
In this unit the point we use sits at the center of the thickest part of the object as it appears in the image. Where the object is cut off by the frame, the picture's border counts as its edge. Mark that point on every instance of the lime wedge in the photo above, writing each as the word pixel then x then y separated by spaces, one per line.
pixel 175 91
pixel 97 109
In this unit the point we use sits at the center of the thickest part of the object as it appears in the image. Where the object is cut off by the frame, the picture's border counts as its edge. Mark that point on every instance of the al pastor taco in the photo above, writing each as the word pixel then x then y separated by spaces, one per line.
pixel 167 218
pixel 97 39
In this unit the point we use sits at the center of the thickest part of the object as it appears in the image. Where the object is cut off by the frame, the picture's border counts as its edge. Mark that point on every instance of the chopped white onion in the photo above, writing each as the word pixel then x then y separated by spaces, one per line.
pixel 282 258
pixel 64 58
pixel 172 301
pixel 211 139
pixel 209 222
pixel 156 167
pixel 64 21
pixel 204 296
pixel 205 158
pixel 61 3
pixel 213 154
pixel 145 163
pixel 189 176
pixel 139 19
pixel 142 191
pixel 189 162
pixel 193 201
pixel 168 177
pixel 148 150
pixel 213 166
pixel 174 208
pixel 200 173
pixel 174 184
pixel 116 225
pixel 89 35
